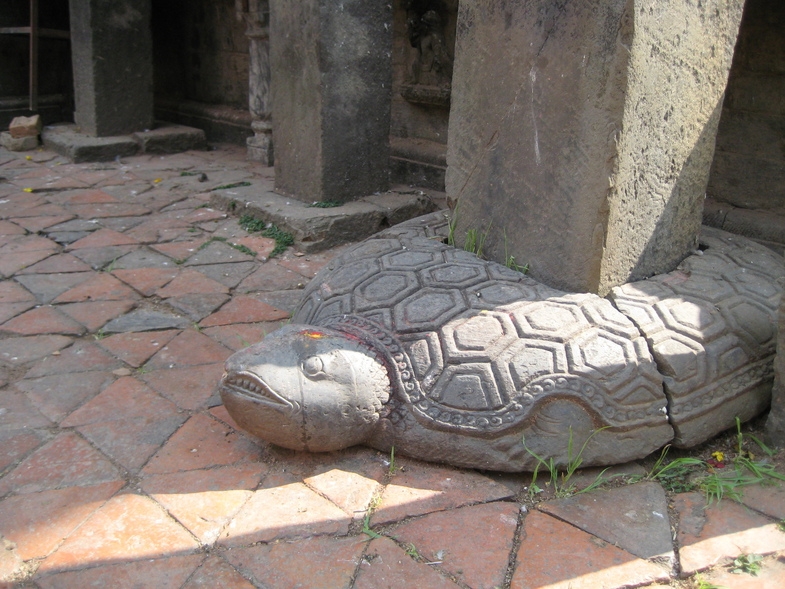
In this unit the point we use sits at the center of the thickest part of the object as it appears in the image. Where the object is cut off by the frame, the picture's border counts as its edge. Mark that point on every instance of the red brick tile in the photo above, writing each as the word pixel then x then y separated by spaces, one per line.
pixel 164 573
pixel 46 287
pixel 65 461
pixel 244 309
pixel 768 499
pixel 90 196
pixel 100 287
pixel 191 282
pixel 102 238
pixel 215 572
pixel 204 501
pixel 351 491
pixel 51 181
pixel 722 531
pixel 421 488
pixel 42 210
pixel 10 310
pixel 8 228
pixel 771 576
pixel 15 444
pixel 180 250
pixel 308 265
pixel 136 348
pixel 288 511
pixel 204 214
pixel 330 563
pixel 197 306
pixel 386 565
pixel 472 543
pixel 221 413
pixel 146 280
pixel 272 277
pixel 189 387
pixel 158 230
pixel 38 522
pixel 555 554
pixel 28 243
pixel 81 357
pixel 127 527
pixel 109 209
pixel 101 257
pixel 127 421
pixel 60 263
pixel 20 350
pixel 57 396
pixel 38 223
pixel 17 412
pixel 263 246
pixel 190 348
pixel 95 315
pixel 202 442
pixel 42 320
pixel 11 292
pixel 241 335
pixel 11 263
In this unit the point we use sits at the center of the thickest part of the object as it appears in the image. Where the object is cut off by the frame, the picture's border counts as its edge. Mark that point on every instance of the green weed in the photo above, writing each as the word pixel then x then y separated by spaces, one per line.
pixel 252 224
pixel 747 563
pixel 475 241
pixel 391 469
pixel 282 239
pixel 412 551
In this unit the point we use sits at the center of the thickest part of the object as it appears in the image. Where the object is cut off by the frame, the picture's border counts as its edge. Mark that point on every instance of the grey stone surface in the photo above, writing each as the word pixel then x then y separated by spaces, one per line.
pixel 145 320
pixel 12 143
pixel 315 229
pixel 112 54
pixel 67 140
pixel 143 258
pixel 331 89
pixel 479 355
pixel 712 327
pixel 198 306
pixel 775 423
pixel 169 138
pixel 229 274
pixel 581 139
pixel 217 252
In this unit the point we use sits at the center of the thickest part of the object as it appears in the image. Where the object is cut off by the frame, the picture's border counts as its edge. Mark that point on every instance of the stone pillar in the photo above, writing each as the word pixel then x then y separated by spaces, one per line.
pixel 331 91
pixel 581 133
pixel 260 146
pixel 111 48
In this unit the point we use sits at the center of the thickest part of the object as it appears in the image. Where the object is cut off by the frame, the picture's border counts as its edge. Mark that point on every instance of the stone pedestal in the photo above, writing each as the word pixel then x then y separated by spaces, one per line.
pixel 331 90
pixel 113 67
pixel 260 146
pixel 581 136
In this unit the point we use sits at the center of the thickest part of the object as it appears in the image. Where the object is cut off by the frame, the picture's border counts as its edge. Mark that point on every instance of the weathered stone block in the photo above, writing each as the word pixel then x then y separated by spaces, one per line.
pixel 111 48
pixel 331 93
pixel 12 143
pixel 775 424
pixel 170 138
pixel 582 136
pixel 25 126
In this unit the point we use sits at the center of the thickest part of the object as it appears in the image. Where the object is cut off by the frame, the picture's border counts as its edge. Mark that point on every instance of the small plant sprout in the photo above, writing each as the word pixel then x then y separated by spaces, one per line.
pixel 747 563
pixel 412 551
pixel 391 468
pixel 702 583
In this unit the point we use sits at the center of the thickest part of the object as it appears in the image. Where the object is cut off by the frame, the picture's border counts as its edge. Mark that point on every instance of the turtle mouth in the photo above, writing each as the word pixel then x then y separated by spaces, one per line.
pixel 251 386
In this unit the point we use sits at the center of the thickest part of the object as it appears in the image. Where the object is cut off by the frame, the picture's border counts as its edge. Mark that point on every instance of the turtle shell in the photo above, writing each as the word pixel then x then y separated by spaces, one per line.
pixel 477 348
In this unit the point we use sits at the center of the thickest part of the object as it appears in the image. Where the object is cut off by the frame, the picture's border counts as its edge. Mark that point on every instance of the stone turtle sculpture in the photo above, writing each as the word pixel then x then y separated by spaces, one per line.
pixel 404 341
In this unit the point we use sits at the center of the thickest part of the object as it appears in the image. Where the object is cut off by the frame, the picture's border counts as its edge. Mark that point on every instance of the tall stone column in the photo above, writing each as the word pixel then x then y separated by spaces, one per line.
pixel 260 146
pixel 112 54
pixel 331 90
pixel 581 133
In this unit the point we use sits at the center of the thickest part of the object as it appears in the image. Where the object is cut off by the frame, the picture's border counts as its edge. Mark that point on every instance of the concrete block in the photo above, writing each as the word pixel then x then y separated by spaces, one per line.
pixel 80 147
pixel 25 126
pixel 169 138
pixel 12 143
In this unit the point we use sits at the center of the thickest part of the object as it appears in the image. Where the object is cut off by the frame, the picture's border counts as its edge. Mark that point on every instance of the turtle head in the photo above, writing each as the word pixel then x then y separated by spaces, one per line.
pixel 306 388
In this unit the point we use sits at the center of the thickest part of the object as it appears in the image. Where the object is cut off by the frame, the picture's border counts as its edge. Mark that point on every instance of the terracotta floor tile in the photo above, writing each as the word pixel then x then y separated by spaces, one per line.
pixel 90 196
pixel 102 238
pixel 386 565
pixel 722 531
pixel 39 223
pixel 422 488
pixel 244 309
pixel 65 461
pixel 205 214
pixel 146 280
pixel 164 573
pixel 180 250
pixel 38 522
pixel 99 287
pixel 127 527
pixel 308 265
pixel 10 310
pixel 158 230
pixel 330 564
pixel 222 414
pixel 127 421
pixel 41 321
pixel 771 576
pixel 241 335
pixel 263 246
pixel 11 263
pixel 190 348
pixel 191 282
pixel 15 444
pixel 28 243
pixel 99 258
pixel 288 511
pixel 46 287
pixel 190 387
pixel 204 501
pixel 216 572
pixel 473 543
pixel 271 277
pixel 557 555
pixel 8 228
pixel 202 442
pixel 15 351
pixel 197 306
pixel 60 263
pixel 80 357
pixel 94 315
pixel 58 395
pixel 109 209
pixel 351 491
pixel 11 292
pixel 135 348
pixel 43 210
pixel 18 413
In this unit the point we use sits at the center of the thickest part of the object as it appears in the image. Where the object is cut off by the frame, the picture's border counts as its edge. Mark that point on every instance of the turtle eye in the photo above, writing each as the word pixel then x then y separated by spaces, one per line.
pixel 313 366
